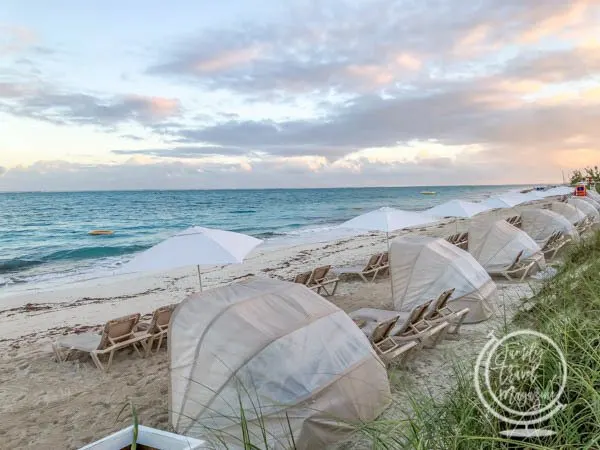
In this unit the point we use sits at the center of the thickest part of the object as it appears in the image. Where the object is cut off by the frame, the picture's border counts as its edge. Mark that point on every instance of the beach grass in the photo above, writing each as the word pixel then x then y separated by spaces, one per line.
pixel 566 310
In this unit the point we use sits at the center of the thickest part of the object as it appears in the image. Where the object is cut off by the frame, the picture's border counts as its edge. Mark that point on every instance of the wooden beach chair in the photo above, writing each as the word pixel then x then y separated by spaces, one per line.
pixel 517 267
pixel 554 243
pixel 385 347
pixel 409 326
pixel 515 221
pixel 117 334
pixel 303 278
pixel 157 328
pixel 439 311
pixel 367 273
pixel 319 280
pixel 459 239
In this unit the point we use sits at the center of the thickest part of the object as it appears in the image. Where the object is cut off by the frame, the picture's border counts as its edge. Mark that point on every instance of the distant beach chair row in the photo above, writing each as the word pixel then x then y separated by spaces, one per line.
pixel 118 334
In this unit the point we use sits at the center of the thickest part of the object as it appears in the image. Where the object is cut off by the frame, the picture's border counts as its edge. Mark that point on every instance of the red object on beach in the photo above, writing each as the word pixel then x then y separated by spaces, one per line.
pixel 580 190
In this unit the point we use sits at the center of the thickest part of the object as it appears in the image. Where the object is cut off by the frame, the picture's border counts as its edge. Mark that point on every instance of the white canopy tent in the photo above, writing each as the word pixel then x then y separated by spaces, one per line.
pixel 506 201
pixel 194 246
pixel 496 244
pixel 591 201
pixel 585 207
pixel 280 353
pixel 422 267
pixel 559 190
pixel 571 213
pixel 540 224
pixel 593 194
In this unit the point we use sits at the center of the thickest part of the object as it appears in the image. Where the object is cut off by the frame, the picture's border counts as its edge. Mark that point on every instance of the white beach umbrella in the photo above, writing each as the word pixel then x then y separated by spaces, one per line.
pixel 195 246
pixel 457 208
pixel 388 220
pixel 507 200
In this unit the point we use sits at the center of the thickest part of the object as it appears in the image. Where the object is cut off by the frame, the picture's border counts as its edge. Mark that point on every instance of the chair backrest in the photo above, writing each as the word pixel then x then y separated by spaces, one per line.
pixel 303 277
pixel 382 330
pixel 161 318
pixel 516 261
pixel 453 239
pixel 319 274
pixel 385 259
pixel 439 303
pixel 373 262
pixel 416 315
pixel 118 330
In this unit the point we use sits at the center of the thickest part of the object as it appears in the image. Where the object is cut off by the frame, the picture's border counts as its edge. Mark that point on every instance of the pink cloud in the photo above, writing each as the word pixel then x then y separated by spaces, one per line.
pixel 228 59
pixel 15 38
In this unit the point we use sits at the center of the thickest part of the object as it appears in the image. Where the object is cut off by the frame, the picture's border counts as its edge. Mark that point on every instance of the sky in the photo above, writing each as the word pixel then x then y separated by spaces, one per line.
pixel 302 93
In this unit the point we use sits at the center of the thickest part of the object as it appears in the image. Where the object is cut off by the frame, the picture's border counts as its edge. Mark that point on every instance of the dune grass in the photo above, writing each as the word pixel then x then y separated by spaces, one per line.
pixel 566 310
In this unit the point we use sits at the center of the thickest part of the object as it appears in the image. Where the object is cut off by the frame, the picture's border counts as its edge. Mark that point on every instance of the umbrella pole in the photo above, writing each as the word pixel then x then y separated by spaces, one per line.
pixel 199 277
pixel 387 238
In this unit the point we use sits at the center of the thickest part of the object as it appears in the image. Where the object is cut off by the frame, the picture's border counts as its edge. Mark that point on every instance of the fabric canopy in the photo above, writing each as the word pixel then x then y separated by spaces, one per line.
pixel 559 190
pixel 540 224
pixel 591 201
pixel 423 267
pixel 496 244
pixel 506 201
pixel 457 208
pixel 571 213
pixel 591 193
pixel 585 207
pixel 280 353
pixel 192 247
pixel 388 220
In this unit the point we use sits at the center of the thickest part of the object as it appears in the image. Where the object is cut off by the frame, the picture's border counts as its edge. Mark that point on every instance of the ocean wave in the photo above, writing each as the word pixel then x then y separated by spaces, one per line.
pixel 76 254
pixel 243 211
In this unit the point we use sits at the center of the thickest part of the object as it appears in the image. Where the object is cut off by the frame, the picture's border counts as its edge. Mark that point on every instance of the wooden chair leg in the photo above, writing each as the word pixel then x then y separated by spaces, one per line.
pixel 97 361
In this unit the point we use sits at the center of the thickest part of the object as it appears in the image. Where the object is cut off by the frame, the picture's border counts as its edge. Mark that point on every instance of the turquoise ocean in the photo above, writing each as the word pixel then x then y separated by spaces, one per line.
pixel 44 236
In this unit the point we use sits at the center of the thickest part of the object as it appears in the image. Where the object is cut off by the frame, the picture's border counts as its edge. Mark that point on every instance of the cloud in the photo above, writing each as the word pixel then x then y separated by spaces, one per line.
pixel 79 108
pixel 3 170
pixel 185 152
pixel 15 38
pixel 350 47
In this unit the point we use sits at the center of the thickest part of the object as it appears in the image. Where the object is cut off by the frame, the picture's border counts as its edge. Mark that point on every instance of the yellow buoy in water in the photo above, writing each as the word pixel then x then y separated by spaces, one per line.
pixel 100 232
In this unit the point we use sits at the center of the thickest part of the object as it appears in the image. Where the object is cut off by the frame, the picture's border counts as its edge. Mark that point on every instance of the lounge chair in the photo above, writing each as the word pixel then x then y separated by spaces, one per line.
pixel 117 334
pixel 319 280
pixel 385 347
pixel 554 243
pixel 439 312
pixel 409 326
pixel 367 273
pixel 303 278
pixel 157 328
pixel 583 225
pixel 461 240
pixel 515 221
pixel 517 267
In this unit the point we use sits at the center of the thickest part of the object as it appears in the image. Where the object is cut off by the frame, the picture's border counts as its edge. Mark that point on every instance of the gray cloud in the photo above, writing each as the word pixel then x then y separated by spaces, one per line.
pixel 185 152
pixel 348 47
pixel 3 170
pixel 77 108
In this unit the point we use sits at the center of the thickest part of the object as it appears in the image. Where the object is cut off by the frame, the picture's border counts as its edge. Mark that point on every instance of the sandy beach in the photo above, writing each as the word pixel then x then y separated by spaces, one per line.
pixel 44 404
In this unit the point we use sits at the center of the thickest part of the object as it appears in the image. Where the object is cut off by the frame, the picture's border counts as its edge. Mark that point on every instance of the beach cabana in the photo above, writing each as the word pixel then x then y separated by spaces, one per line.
pixel 585 207
pixel 591 201
pixel 568 211
pixel 278 353
pixel 591 193
pixel 540 224
pixel 422 267
pixel 496 244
